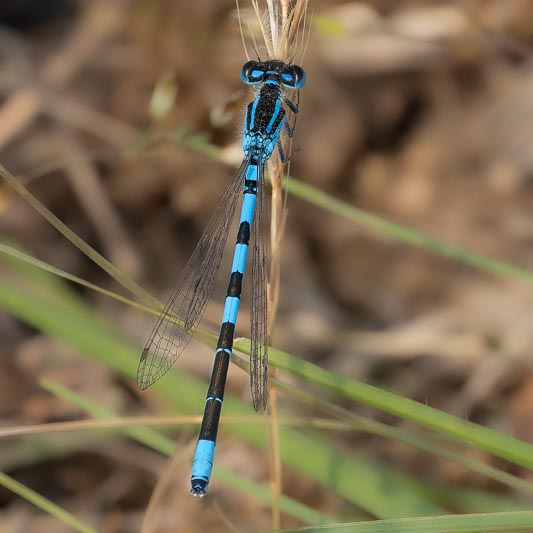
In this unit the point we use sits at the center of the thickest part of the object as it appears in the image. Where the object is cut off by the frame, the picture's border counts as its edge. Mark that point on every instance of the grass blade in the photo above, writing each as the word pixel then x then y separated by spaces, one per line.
pixel 373 222
pixel 44 504
pixel 490 440
pixel 471 523
pixel 378 428
pixel 90 252
pixel 405 234
pixel 28 259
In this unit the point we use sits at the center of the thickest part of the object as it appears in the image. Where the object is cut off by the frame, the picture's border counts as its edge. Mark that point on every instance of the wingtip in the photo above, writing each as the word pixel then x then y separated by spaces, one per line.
pixel 142 385
pixel 144 379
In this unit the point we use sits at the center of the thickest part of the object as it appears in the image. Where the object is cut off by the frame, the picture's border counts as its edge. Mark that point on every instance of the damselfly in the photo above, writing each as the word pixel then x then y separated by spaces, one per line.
pixel 265 120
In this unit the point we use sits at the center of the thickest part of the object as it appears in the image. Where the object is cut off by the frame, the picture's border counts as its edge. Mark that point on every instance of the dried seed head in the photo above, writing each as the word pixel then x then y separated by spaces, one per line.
pixel 276 31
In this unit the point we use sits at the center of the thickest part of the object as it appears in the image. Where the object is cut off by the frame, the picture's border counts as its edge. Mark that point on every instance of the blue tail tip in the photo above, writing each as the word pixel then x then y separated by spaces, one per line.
pixel 198 487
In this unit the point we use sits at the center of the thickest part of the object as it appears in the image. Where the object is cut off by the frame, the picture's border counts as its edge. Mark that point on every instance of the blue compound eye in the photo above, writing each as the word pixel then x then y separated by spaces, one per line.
pixel 252 73
pixel 293 77
pixel 299 76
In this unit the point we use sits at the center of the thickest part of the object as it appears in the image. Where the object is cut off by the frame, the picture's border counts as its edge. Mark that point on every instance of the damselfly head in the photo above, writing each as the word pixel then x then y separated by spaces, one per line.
pixel 257 72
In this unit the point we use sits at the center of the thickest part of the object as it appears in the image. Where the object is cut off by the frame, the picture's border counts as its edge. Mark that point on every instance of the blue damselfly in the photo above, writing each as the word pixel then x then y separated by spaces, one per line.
pixel 265 120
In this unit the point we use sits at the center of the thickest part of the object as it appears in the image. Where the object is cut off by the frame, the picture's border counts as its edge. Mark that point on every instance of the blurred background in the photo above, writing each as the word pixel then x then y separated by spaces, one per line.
pixel 417 111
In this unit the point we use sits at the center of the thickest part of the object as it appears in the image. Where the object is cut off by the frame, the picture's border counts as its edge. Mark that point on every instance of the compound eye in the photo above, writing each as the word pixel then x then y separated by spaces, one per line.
pixel 252 73
pixel 293 77
pixel 299 76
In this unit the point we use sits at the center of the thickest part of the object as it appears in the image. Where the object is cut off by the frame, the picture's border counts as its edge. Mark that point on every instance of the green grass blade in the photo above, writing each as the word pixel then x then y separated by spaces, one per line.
pixel 44 504
pixel 145 435
pixel 373 222
pixel 471 523
pixel 90 252
pixel 28 259
pixel 405 234
pixel 470 500
pixel 492 441
pixel 378 428
pixel 263 494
